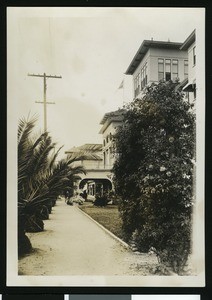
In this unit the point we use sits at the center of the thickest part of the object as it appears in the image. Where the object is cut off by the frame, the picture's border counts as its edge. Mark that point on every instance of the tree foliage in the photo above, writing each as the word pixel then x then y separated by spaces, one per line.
pixel 154 172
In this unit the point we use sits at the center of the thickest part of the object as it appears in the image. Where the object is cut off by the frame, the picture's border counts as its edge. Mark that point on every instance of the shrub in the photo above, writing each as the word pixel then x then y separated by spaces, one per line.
pixel 34 224
pixel 113 198
pixel 154 173
pixel 101 200
pixel 43 213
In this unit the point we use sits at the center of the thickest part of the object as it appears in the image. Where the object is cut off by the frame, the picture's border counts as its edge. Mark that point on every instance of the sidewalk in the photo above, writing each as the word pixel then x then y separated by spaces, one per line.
pixel 72 244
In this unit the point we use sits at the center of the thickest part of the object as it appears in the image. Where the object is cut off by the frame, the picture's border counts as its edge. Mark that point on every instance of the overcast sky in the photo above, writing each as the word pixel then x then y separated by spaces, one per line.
pixel 91 49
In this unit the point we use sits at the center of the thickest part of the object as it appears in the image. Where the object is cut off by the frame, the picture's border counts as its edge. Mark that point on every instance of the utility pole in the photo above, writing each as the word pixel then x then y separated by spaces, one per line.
pixel 44 76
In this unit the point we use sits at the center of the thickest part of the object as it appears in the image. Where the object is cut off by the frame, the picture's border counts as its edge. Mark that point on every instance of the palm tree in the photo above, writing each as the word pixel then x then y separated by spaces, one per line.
pixel 40 179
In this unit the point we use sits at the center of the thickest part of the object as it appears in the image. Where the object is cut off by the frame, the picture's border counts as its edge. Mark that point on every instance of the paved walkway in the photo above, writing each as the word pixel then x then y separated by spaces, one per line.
pixel 72 244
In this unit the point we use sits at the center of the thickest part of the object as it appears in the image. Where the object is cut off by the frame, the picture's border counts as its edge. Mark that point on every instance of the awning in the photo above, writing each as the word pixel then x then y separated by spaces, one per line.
pixel 189 87
pixel 181 85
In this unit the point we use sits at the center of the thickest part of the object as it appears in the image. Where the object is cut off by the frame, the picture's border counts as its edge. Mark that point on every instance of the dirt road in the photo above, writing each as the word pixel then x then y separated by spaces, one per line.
pixel 72 244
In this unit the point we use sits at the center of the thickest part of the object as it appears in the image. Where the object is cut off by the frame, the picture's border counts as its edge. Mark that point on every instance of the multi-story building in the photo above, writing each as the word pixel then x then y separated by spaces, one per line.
pixel 155 61
pixel 110 123
pixel 93 156
pixel 97 178
pixel 189 85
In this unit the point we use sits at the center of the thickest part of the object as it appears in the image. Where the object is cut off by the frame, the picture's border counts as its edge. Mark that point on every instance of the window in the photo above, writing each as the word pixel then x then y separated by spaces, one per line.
pixel 139 79
pixel 145 72
pixel 107 158
pixel 195 94
pixel 104 159
pixel 160 69
pixel 168 69
pixel 194 56
pixel 185 68
pixel 142 78
pixel 174 69
pixel 137 84
pixel 111 154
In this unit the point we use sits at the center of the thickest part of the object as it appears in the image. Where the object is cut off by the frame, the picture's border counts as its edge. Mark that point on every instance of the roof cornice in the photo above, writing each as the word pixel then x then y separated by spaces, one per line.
pixel 189 41
pixel 145 46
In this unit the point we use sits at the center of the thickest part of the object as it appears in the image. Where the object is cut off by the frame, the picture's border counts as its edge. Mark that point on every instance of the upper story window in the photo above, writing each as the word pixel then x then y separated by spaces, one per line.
pixel 139 80
pixel 186 68
pixel 168 69
pixel 137 84
pixel 174 69
pixel 145 73
pixel 195 93
pixel 194 56
pixel 144 76
pixel 160 69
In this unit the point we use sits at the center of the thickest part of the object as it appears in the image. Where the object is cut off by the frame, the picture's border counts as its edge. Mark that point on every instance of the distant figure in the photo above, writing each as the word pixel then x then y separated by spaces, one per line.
pixel 67 195
pixel 85 195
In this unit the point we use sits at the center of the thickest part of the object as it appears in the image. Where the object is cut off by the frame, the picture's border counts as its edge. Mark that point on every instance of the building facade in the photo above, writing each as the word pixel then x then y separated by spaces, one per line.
pixel 156 61
pixel 93 153
pixel 190 85
pixel 110 123
pixel 97 178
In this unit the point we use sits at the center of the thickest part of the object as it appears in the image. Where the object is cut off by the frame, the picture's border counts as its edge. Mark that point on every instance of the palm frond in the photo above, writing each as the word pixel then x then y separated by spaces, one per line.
pixel 39 139
pixel 40 159
pixel 40 177
pixel 54 158
pixel 24 129
pixel 77 170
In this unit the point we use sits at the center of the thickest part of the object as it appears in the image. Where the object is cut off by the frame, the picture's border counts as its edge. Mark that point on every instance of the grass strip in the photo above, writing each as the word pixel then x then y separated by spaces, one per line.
pixel 108 217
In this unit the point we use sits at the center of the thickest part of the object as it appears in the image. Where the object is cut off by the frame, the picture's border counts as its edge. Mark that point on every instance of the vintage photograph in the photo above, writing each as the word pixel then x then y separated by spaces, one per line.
pixel 100 297
pixel 132 297
pixel 97 297
pixel 105 118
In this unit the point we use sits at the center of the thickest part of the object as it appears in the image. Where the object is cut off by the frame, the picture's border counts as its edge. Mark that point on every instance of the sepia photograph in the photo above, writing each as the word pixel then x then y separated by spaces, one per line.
pixel 99 297
pixel 131 297
pixel 105 139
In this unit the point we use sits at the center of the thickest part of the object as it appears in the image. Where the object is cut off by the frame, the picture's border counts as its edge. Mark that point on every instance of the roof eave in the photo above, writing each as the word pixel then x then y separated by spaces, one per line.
pixel 142 47
pixel 189 41
pixel 145 46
